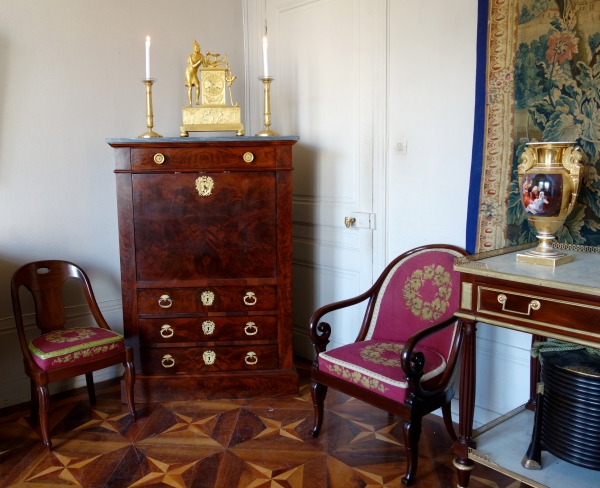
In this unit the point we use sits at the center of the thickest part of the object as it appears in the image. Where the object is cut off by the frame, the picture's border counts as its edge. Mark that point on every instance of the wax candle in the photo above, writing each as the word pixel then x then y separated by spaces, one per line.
pixel 265 62
pixel 148 57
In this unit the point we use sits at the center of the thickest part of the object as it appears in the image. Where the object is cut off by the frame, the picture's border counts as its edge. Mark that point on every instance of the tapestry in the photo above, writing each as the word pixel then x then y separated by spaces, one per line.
pixel 542 83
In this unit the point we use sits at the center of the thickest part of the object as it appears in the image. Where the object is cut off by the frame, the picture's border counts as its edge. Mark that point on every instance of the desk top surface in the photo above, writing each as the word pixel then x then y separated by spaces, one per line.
pixel 581 275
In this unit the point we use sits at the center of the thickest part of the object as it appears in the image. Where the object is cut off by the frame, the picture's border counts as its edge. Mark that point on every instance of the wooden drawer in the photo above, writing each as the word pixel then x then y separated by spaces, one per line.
pixel 176 360
pixel 543 310
pixel 181 235
pixel 209 329
pixel 207 299
pixel 201 159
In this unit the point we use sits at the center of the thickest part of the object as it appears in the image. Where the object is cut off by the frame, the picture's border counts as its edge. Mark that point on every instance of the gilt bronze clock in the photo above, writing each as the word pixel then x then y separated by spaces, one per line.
pixel 213 114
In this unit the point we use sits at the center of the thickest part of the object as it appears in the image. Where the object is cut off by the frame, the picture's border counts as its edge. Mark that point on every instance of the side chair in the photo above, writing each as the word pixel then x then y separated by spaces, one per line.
pixel 60 352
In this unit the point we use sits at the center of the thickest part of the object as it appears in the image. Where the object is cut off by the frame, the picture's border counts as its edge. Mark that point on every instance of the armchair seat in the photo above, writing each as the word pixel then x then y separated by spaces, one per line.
pixel 68 347
pixel 376 366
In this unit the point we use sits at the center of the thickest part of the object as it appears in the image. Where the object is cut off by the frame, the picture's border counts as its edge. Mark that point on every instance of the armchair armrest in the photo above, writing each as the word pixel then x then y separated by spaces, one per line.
pixel 319 332
pixel 413 363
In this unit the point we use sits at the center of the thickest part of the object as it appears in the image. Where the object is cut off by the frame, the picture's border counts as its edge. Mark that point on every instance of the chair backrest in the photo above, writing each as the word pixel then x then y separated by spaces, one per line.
pixel 419 289
pixel 45 279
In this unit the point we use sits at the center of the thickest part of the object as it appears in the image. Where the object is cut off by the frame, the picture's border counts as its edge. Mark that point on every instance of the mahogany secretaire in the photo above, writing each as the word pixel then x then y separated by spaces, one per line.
pixel 206 265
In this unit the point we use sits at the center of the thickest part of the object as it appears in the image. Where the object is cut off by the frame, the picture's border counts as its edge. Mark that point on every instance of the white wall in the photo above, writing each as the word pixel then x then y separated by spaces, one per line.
pixel 70 76
pixel 432 49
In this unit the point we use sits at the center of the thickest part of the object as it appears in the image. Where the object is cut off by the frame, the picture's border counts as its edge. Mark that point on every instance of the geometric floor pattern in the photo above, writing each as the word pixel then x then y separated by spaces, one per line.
pixel 257 443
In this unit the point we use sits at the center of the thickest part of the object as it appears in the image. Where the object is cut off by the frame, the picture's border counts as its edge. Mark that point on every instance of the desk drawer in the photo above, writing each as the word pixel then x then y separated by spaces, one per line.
pixel 178 360
pixel 536 308
pixel 207 329
pixel 207 299
pixel 183 158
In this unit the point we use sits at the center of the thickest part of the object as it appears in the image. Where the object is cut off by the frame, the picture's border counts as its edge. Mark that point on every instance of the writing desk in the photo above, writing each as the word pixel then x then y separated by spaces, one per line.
pixel 561 303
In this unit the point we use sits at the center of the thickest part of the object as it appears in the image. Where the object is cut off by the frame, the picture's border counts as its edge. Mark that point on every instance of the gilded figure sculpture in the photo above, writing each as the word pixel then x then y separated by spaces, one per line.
pixel 191 72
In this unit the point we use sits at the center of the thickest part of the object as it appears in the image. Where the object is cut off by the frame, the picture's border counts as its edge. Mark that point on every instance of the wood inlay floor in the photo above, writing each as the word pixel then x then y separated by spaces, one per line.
pixel 258 443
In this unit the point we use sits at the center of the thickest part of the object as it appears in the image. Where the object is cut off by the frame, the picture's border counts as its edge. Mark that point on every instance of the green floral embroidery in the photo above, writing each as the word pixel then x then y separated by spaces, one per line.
pixel 85 353
pixel 357 378
pixel 437 307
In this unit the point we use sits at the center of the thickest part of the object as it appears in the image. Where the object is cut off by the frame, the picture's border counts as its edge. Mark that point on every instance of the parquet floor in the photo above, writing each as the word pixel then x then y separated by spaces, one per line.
pixel 258 443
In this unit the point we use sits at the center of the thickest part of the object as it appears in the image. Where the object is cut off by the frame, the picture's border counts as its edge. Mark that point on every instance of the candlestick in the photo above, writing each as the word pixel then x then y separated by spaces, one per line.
pixel 265 60
pixel 267 89
pixel 148 57
pixel 149 113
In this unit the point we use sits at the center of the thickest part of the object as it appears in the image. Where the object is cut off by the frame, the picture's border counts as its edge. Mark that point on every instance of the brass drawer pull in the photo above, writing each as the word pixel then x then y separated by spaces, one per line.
pixel 250 299
pixel 208 327
pixel 168 361
pixel 251 358
pixel 159 158
pixel 533 305
pixel 207 297
pixel 209 357
pixel 166 331
pixel 250 328
pixel 165 301
pixel 248 157
pixel 205 185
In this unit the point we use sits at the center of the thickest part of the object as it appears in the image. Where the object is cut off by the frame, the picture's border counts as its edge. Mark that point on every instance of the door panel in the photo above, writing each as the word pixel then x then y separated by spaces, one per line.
pixel 325 57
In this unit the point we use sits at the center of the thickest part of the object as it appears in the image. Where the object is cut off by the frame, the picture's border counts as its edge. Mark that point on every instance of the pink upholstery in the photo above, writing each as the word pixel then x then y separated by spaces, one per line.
pixel 419 291
pixel 67 347
pixel 375 366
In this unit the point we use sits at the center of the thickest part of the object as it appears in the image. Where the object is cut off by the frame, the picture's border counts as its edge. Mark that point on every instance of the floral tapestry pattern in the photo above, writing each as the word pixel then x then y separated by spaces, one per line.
pixel 543 84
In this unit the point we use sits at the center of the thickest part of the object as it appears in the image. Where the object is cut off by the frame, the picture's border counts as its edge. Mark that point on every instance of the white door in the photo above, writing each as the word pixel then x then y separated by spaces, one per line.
pixel 327 58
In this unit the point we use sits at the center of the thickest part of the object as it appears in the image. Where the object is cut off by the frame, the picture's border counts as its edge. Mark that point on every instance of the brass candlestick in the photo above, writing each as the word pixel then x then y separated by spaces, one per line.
pixel 267 86
pixel 149 114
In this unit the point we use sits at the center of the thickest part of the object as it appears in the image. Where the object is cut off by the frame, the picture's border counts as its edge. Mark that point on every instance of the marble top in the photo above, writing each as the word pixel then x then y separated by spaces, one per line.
pixel 580 275
pixel 184 140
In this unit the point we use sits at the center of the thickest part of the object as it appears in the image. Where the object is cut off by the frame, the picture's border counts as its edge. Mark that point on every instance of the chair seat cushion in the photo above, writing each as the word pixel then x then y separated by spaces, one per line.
pixel 375 366
pixel 67 347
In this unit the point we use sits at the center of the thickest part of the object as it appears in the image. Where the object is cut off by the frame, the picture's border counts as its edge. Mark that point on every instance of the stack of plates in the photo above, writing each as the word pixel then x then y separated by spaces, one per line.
pixel 571 415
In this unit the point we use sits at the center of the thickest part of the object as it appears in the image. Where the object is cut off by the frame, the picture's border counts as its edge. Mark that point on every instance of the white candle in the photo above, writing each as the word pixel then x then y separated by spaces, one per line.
pixel 265 62
pixel 148 57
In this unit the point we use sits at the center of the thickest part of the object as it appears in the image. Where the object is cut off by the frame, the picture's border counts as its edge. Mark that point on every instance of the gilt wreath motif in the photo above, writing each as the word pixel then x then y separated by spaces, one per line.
pixel 374 353
pixel 434 309
pixel 58 336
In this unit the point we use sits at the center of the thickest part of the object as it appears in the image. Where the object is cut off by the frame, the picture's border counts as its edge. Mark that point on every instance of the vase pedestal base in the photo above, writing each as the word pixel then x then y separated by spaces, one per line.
pixel 552 261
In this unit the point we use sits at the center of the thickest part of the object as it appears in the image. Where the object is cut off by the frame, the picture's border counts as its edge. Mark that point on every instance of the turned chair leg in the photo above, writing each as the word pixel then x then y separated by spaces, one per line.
pixel 35 403
pixel 129 383
pixel 318 393
pixel 447 414
pixel 412 433
pixel 44 407
pixel 89 379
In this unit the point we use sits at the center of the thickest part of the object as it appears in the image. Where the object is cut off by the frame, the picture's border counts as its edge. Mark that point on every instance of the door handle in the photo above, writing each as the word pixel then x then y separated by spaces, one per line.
pixel 349 221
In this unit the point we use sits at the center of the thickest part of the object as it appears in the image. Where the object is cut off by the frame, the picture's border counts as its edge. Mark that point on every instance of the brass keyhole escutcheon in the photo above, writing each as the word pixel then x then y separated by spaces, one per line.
pixel 349 221
pixel 208 327
pixel 248 157
pixel 205 185
pixel 159 158
pixel 167 331
pixel 165 301
pixel 209 357
pixel 207 297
